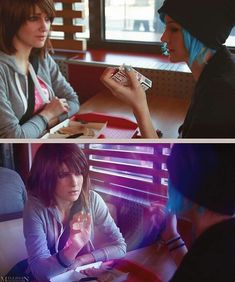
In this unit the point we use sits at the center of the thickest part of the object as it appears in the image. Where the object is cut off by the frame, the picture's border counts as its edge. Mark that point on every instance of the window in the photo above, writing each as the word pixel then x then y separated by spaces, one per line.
pixel 137 20
pixel 231 39
pixel 122 24
pixel 135 172
pixel 133 20
pixel 6 156
pixel 110 24
pixel 70 27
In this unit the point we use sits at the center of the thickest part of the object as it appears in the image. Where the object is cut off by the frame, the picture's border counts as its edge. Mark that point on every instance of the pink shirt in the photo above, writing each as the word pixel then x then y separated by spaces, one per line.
pixel 39 103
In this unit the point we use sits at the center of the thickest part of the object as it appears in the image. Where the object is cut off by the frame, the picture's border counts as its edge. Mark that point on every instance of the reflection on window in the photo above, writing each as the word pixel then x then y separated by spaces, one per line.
pixel 137 20
pixel 231 39
pixel 131 161
pixel 85 21
pixel 136 171
pixel 133 20
pixel 124 148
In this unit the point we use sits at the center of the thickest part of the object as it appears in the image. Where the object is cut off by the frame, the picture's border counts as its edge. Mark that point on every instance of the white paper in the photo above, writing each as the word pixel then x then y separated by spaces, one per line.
pixel 90 265
pixel 75 275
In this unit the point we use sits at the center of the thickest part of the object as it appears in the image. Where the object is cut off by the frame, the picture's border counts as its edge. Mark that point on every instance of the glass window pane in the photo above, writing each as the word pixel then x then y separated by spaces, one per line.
pixel 135 162
pixel 130 162
pixel 231 40
pixel 137 20
pixel 85 21
pixel 133 20
pixel 125 148
pixel 129 175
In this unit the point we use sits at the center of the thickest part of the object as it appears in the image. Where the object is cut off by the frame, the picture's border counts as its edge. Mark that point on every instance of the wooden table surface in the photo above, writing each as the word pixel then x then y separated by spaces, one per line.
pixel 155 258
pixel 167 112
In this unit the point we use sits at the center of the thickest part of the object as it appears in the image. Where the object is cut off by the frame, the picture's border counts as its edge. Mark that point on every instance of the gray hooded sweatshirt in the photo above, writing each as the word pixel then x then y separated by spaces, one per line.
pixel 14 93
pixel 43 229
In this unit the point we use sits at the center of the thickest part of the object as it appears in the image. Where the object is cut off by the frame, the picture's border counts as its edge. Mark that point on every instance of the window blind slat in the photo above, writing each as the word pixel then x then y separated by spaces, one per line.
pixel 128 168
pixel 69 1
pixel 67 25
pixel 133 195
pixel 70 14
pixel 156 157
pixel 69 44
pixel 144 186
pixel 69 28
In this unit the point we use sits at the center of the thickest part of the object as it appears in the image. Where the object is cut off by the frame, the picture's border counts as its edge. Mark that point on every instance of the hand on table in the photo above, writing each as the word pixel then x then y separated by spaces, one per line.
pixel 82 260
pixel 55 108
pixel 105 273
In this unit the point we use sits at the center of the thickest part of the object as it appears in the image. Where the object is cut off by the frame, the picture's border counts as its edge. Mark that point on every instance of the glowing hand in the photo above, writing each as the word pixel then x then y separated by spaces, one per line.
pixel 170 230
pixel 80 230
pixel 164 220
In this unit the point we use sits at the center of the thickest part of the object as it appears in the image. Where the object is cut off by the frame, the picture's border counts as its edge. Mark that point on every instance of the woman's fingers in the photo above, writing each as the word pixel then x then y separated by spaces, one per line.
pixel 59 105
pixel 131 75
pixel 80 221
pixel 87 220
pixel 64 104
pixel 108 73
pixel 115 86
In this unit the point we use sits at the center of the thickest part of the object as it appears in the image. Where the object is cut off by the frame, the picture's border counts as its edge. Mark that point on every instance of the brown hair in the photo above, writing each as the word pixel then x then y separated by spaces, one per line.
pixel 46 167
pixel 13 14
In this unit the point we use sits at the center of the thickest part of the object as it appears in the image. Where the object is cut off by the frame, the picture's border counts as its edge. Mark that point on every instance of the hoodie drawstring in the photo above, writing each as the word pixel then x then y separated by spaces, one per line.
pixel 23 97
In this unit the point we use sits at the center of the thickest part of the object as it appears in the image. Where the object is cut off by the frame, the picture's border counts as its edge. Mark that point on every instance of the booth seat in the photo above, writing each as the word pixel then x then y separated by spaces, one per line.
pixel 12 244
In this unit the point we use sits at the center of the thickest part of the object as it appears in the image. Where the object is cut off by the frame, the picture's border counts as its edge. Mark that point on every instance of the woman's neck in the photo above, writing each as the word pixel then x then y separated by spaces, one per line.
pixel 208 219
pixel 22 61
pixel 64 207
pixel 22 55
pixel 197 68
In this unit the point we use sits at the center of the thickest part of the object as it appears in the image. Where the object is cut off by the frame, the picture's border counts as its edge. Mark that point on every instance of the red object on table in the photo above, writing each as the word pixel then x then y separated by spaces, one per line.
pixel 137 273
pixel 117 127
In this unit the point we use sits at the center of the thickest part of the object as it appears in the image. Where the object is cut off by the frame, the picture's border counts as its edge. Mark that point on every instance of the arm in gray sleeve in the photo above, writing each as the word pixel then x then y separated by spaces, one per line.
pixel 62 88
pixel 115 246
pixel 12 191
pixel 24 193
pixel 10 104
pixel 42 264
pixel 22 190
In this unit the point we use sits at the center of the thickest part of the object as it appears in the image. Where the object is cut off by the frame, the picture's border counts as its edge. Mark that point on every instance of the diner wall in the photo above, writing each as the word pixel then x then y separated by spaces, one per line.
pixel 85 79
pixel 174 80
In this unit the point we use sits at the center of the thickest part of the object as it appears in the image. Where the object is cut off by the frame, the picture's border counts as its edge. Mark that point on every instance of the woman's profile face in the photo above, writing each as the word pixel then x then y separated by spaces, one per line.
pixel 173 37
pixel 34 32
pixel 69 185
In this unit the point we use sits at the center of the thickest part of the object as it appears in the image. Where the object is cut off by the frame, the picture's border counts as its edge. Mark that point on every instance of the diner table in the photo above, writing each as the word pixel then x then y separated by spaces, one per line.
pixel 167 112
pixel 151 259
pixel 155 258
